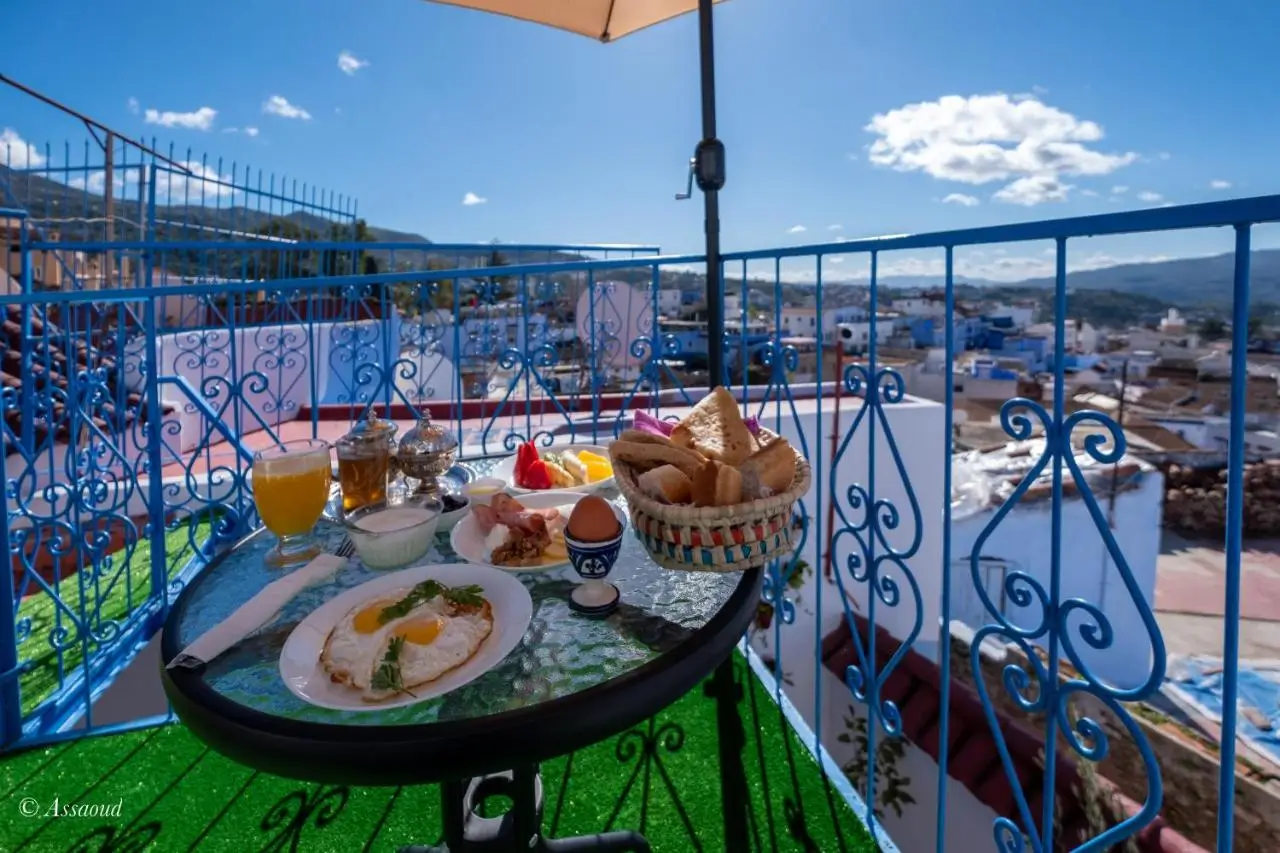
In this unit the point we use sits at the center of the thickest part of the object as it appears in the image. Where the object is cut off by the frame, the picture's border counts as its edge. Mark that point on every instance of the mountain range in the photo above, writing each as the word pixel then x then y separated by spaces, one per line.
pixel 1197 283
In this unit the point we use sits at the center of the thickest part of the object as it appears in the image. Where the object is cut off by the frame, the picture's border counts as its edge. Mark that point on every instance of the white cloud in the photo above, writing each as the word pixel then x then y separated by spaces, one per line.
pixel 835 227
pixel 1120 190
pixel 1219 185
pixel 984 138
pixel 134 106
pixel 204 182
pixel 350 64
pixel 1032 190
pixel 1003 268
pixel 17 153
pixel 960 198
pixel 796 229
pixel 471 199
pixel 1089 193
pixel 1149 196
pixel 201 119
pixel 277 105
pixel 247 131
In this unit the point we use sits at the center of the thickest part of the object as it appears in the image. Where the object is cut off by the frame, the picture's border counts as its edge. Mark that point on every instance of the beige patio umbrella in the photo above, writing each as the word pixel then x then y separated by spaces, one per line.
pixel 610 20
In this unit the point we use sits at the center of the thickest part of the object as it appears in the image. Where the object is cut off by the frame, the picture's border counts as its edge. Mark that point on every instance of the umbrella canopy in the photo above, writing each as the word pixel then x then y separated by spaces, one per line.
pixel 609 20
pixel 606 20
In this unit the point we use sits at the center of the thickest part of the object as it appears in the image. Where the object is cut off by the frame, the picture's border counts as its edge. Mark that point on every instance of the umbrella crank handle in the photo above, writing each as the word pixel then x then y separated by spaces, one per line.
pixel 688 190
pixel 706 167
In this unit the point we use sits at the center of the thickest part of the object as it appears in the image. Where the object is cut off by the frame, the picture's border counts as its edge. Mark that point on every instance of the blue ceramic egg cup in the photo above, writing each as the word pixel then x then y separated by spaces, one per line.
pixel 593 561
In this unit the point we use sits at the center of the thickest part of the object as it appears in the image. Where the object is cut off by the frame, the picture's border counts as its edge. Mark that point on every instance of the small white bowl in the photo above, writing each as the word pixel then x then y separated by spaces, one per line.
pixel 480 491
pixel 402 533
pixel 449 518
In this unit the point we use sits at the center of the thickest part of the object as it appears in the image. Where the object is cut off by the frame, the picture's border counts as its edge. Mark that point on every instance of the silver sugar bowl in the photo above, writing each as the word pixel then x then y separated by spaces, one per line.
pixel 426 453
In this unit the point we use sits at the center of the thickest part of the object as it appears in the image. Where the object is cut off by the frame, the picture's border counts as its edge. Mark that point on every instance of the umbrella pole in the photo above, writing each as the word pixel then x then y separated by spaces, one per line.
pixel 709 171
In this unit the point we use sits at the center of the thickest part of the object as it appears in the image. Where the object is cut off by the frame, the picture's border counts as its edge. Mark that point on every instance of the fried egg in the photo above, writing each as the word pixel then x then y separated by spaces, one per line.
pixel 437 636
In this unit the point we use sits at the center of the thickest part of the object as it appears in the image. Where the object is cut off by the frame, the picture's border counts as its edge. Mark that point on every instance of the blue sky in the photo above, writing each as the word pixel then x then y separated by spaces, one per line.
pixel 873 117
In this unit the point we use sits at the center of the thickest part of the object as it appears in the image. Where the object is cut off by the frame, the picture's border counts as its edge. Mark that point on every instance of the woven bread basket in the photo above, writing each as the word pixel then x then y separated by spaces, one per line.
pixel 713 538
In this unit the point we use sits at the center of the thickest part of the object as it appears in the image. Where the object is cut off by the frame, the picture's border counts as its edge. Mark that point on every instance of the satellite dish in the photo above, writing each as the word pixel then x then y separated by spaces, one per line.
pixel 610 316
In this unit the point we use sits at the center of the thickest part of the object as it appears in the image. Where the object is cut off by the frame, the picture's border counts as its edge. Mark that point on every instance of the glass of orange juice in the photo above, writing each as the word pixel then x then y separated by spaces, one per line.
pixel 291 488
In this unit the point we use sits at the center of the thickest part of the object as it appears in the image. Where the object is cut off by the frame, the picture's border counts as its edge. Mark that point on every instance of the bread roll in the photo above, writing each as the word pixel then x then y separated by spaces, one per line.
pixel 769 471
pixel 666 483
pixel 717 484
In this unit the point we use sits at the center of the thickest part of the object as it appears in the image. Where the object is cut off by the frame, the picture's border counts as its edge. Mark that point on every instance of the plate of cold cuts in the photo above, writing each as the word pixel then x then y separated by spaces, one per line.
pixel 524 534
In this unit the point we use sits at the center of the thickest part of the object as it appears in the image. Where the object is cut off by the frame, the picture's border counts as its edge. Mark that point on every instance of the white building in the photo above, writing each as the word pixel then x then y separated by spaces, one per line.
pixel 922 305
pixel 800 322
pixel 856 337
pixel 1080 337
pixel 670 301
pixel 1019 543
pixel 1173 323
pixel 1020 315
pixel 1214 365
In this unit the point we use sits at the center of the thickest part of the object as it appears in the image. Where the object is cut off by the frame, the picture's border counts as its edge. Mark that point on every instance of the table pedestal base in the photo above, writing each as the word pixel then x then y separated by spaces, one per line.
pixel 520 828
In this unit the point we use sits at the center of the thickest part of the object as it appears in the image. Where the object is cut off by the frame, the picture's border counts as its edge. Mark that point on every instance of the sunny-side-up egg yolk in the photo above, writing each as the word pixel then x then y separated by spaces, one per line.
pixel 367 620
pixel 423 631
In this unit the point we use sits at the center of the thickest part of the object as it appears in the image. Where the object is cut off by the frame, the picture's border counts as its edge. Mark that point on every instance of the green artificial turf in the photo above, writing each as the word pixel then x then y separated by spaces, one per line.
pixel 174 794
pixel 122 585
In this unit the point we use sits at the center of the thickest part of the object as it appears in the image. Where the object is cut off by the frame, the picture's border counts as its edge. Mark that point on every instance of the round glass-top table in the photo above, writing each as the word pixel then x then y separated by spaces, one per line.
pixel 571 681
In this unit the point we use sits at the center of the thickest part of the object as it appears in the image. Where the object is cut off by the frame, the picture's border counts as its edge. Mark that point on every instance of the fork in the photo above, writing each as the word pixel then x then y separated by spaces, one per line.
pixel 347 548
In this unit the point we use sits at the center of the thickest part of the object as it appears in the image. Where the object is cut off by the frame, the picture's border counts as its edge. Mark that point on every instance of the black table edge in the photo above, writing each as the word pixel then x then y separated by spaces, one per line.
pixel 434 752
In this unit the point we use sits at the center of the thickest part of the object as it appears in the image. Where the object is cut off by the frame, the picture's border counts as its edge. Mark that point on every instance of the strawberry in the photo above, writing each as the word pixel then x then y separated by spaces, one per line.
pixel 526 455
pixel 537 476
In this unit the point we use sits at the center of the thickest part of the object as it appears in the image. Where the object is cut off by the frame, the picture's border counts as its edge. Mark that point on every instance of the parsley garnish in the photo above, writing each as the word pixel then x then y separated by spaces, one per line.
pixel 471 595
pixel 387 675
pixel 466 596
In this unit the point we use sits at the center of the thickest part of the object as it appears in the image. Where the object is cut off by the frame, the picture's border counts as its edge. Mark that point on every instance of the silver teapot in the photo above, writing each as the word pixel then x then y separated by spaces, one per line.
pixel 426 453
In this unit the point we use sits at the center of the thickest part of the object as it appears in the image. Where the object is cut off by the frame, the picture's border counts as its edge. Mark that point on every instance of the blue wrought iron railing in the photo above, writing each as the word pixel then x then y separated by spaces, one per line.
pixel 127 438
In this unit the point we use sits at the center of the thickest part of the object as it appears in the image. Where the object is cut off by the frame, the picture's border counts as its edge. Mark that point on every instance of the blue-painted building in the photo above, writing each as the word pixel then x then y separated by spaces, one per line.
pixel 970 332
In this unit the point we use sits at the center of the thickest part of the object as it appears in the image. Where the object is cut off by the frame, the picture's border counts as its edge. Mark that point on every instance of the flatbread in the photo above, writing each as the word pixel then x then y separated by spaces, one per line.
pixel 715 429
pixel 645 456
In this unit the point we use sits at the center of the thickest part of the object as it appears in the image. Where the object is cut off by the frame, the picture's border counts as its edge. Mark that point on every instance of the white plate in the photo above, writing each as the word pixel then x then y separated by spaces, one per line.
pixel 468 541
pixel 300 658
pixel 506 469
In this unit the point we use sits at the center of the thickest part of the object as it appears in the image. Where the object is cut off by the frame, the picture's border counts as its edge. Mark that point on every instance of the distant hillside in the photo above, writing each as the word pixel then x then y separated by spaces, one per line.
pixel 82 214
pixel 1203 282
pixel 1194 283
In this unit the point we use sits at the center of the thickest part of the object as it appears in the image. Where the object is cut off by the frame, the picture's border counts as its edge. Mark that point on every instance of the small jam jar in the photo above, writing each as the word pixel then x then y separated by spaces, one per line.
pixel 364 462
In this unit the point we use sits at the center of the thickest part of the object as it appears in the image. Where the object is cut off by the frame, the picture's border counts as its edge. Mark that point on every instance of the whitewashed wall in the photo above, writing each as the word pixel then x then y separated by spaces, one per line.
pixel 331 359
pixel 1022 541
pixel 969 821
pixel 917 426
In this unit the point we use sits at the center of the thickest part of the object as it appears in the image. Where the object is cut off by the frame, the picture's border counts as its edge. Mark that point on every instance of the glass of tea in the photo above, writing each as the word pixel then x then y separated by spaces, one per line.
pixel 364 463
pixel 290 489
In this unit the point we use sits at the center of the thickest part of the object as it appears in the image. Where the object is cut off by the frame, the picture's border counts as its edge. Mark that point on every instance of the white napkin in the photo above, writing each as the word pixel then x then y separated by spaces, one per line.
pixel 257 611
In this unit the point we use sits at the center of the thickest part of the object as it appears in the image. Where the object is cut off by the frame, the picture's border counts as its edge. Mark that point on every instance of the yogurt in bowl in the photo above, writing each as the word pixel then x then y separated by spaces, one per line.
pixel 394 536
